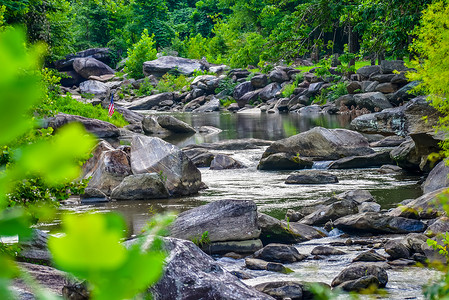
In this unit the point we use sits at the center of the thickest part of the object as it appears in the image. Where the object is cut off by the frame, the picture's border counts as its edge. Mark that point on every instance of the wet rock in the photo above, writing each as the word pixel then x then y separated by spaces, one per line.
pixel 224 220
pixel 367 161
pixel 282 289
pixel 174 125
pixel 224 162
pixel 200 157
pixel 378 223
pixel 402 262
pixel 247 247
pixel 141 187
pixel 276 231
pixel 259 264
pixel 93 195
pixel 360 284
pixel 325 250
pixel 389 141
pixel 151 126
pixel 165 64
pixel 437 179
pixel 293 216
pixel 149 102
pixel 357 271
pixel 153 155
pixel 284 161
pixel 390 169
pixel 425 207
pixel 89 66
pixel 372 101
pixel 242 144
pixel 311 177
pixel 331 212
pixel 359 196
pixel 369 256
pixel 396 249
pixel 279 253
pixel 310 110
pixel 322 144
pixel 441 225
pixel 192 274
pixel 369 207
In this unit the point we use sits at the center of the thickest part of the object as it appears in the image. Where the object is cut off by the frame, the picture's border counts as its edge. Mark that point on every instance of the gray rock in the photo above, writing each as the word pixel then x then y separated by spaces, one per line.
pixel 242 89
pixel 371 101
pixel 371 87
pixel 282 289
pixel 248 98
pixel 35 250
pixel 368 71
pixel 165 64
pixel 331 212
pixel 383 78
pixel 96 88
pixel 360 284
pixel 405 93
pixel 369 256
pixel 314 88
pixel 129 115
pixel 93 195
pixel 389 66
pixel 389 141
pixel 151 126
pixel 174 125
pixel 427 206
pixel 322 144
pixel 311 177
pixel 358 270
pixel 347 100
pixel 259 264
pixel 326 251
pixel 369 207
pixel 212 105
pixel 153 155
pixel 206 279
pixel 310 110
pixel 269 92
pixel 279 253
pixel 149 102
pixel 399 79
pixel 396 249
pixel 222 162
pixel 378 223
pixel 284 161
pixel 259 81
pixel 437 178
pixel 141 187
pixel 242 144
pixel 353 87
pixel 87 67
pixel 245 247
pixel 278 75
pixel 200 157
pixel 224 220
pixel 440 226
pixel 366 161
pixel 386 88
pixel 390 169
pixel 293 216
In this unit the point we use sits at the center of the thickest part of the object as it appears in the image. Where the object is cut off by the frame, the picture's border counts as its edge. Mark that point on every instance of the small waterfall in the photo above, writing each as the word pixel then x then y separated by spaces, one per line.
pixel 321 165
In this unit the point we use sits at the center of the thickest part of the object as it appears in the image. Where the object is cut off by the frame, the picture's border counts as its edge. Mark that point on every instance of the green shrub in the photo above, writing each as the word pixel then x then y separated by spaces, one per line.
pixel 227 86
pixel 140 52
pixel 288 90
pixel 171 83
pixel 145 88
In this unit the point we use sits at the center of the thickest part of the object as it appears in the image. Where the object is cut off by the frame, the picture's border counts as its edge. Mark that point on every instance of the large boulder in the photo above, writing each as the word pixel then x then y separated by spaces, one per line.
pixel 259 81
pixel 437 179
pixel 242 89
pixel 153 155
pixel 322 144
pixel 242 144
pixel 222 162
pixel 368 71
pixel 107 168
pixel 390 66
pixel 284 161
pixel 141 187
pixel 200 157
pixel 192 274
pixel 224 220
pixel 428 206
pixel 372 101
pixel 94 87
pixel 87 67
pixel 165 64
pixel 35 250
pixel 311 177
pixel 278 75
pixel 331 212
pixel 175 125
pixel 357 271
pixel 101 54
pixel 405 93
pixel 269 91
pixel 99 128
pixel 149 102
pixel 279 253
pixel 373 222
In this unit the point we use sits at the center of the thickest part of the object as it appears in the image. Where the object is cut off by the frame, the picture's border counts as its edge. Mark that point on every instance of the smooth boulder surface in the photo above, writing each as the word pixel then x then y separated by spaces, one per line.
pixel 165 64
pixel 93 87
pixel 260 264
pixel 358 271
pixel 322 144
pixel 437 178
pixel 282 289
pixel 192 274
pixel 224 162
pixel 326 250
pixel 224 220
pixel 331 212
pixel 149 102
pixel 89 66
pixel 378 223
pixel 35 250
pixel 99 128
pixel 284 161
pixel 200 157
pixel 153 155
pixel 366 161
pixel 311 177
pixel 242 144
pixel 140 187
pixel 372 100
pixel 369 256
pixel 279 253
pixel 174 125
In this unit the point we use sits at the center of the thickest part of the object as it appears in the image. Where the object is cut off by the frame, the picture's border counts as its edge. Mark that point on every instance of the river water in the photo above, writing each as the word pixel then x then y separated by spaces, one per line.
pixel 273 197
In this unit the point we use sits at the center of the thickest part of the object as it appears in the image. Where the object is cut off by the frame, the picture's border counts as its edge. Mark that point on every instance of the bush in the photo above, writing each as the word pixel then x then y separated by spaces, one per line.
pixel 140 52
pixel 171 83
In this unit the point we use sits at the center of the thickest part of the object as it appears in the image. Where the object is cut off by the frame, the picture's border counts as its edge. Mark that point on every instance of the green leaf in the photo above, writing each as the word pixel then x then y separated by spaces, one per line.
pixel 91 244
pixel 14 222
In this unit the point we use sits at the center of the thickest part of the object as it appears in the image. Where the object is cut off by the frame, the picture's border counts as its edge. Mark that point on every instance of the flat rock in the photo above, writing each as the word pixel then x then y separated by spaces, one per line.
pixel 174 125
pixel 149 102
pixel 141 187
pixel 311 177
pixel 224 162
pixel 224 220
pixel 259 264
pixel 241 247
pixel 326 250
pixel 284 161
pixel 369 256
pixel 200 157
pixel 366 161
pixel 282 289
pixel 279 253
pixel 242 144
pixel 165 64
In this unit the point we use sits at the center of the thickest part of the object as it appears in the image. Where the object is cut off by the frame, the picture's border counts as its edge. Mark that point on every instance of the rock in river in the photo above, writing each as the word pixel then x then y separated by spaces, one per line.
pixel 141 187
pixel 222 162
pixel 311 177
pixel 360 276
pixel 279 253
pixel 153 155
pixel 224 220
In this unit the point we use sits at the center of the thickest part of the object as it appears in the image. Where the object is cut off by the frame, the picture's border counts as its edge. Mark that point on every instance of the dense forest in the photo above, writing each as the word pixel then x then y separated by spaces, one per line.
pixel 235 32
